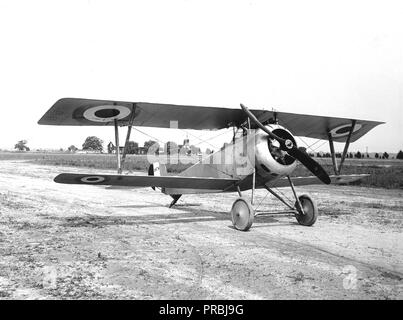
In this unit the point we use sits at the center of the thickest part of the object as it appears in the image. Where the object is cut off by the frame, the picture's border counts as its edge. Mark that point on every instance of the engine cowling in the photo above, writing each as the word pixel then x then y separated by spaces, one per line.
pixel 270 161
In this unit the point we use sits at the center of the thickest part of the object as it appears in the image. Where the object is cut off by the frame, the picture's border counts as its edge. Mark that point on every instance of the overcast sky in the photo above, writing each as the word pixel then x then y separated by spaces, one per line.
pixel 334 58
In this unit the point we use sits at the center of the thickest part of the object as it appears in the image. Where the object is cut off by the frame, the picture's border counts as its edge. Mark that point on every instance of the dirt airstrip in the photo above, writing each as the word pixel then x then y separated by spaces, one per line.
pixel 89 242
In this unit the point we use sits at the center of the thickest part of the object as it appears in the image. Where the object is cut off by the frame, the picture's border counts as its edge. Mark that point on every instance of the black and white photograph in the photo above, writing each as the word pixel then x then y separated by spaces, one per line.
pixel 210 151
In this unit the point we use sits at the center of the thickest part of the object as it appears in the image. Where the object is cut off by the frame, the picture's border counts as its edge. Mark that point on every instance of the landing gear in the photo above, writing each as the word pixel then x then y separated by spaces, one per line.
pixel 242 214
pixel 304 208
pixel 307 210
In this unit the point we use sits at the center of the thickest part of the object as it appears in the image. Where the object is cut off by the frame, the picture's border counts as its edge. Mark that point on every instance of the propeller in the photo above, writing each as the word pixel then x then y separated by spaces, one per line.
pixel 288 146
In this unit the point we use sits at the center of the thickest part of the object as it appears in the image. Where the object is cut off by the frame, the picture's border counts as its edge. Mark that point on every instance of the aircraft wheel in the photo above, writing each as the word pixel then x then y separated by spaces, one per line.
pixel 310 210
pixel 242 214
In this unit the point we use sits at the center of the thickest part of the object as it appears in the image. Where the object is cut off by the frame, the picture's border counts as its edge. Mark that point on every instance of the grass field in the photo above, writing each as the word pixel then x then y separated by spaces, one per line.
pixel 99 161
pixel 384 173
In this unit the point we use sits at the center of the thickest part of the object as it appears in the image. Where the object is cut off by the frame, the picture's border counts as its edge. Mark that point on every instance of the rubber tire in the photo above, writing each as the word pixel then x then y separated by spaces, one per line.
pixel 247 212
pixel 310 210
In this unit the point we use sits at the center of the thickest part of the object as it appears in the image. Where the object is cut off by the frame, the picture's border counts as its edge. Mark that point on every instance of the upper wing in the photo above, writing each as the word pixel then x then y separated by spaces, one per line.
pixel 318 126
pixel 80 112
pixel 85 112
pixel 146 181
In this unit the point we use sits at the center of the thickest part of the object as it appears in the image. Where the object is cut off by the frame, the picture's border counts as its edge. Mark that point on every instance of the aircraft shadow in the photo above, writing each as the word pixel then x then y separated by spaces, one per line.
pixel 264 222
pixel 274 220
pixel 156 205
pixel 189 213
pixel 139 206
pixel 274 223
pixel 189 216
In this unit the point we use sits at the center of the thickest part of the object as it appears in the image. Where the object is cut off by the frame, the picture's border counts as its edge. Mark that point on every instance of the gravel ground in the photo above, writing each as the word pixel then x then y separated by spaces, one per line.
pixel 91 242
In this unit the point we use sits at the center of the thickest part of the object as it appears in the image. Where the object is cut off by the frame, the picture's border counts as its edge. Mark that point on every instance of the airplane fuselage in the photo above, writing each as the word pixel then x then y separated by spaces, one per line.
pixel 252 152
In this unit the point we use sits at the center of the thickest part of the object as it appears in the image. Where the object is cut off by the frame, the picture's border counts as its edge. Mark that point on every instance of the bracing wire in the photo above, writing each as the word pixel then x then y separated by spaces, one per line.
pixel 158 140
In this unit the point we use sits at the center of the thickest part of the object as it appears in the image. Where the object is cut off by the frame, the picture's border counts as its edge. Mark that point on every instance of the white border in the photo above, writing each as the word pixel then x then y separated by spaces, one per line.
pixel 89 114
pixel 357 127
pixel 85 179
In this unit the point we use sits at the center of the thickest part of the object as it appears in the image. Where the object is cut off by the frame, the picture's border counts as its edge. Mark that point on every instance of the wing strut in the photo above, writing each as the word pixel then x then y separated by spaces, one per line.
pixel 129 130
pixel 343 156
pixel 334 160
pixel 336 167
pixel 117 146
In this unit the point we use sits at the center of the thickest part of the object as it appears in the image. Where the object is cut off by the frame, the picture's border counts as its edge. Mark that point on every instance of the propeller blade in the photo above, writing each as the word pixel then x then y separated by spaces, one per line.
pixel 288 146
pixel 260 125
pixel 310 164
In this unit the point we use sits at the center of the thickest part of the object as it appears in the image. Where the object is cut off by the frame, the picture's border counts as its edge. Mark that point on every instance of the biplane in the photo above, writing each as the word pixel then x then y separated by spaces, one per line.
pixel 263 152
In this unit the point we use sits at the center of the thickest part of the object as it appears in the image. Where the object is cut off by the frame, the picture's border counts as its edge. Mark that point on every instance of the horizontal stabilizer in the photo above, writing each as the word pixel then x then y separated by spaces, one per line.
pixel 146 181
pixel 304 181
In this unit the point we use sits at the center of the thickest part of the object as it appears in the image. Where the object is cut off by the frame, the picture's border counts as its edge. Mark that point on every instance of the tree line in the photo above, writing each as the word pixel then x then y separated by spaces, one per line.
pixel 357 155
pixel 93 143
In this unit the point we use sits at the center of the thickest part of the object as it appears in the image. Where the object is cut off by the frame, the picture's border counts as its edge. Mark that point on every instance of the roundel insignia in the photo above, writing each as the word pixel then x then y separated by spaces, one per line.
pixel 344 130
pixel 92 179
pixel 106 113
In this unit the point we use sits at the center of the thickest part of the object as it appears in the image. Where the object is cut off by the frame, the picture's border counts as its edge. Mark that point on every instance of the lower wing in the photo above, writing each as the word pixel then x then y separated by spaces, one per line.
pixel 146 181
pixel 178 182
pixel 304 181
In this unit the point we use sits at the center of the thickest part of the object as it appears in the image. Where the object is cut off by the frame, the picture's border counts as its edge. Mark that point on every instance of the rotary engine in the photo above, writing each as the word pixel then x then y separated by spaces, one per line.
pixel 270 160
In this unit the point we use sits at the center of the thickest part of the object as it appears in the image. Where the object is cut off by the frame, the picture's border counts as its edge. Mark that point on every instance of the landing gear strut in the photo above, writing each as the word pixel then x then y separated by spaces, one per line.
pixel 304 209
pixel 307 211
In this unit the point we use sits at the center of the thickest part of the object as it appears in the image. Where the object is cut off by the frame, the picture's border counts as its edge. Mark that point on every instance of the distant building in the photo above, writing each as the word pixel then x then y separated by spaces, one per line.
pixel 135 149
